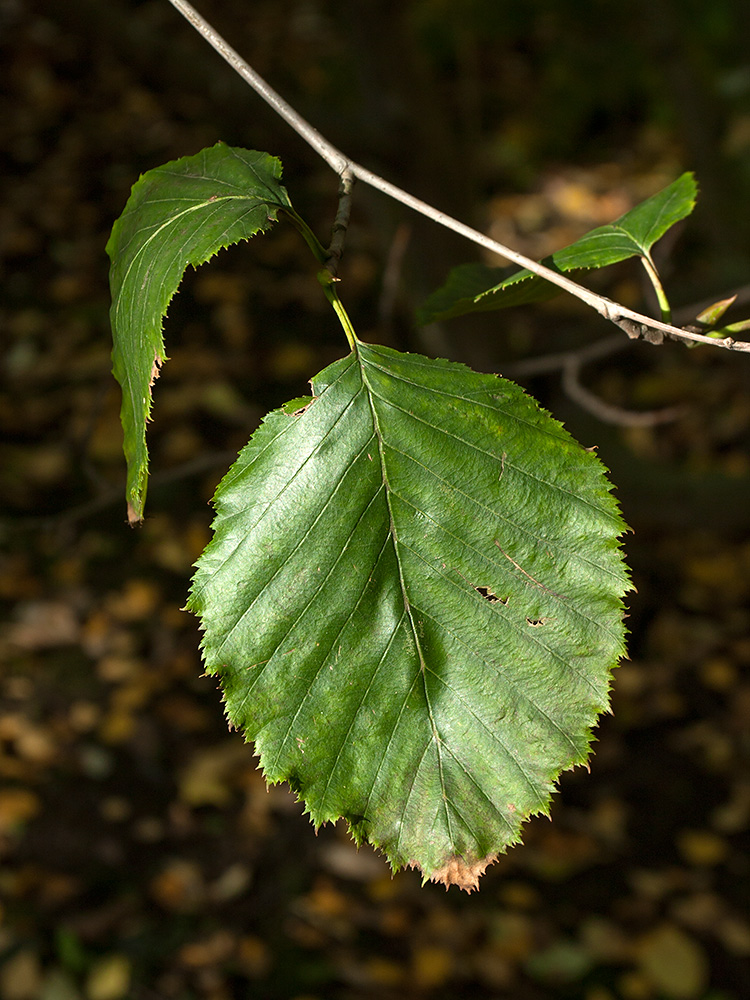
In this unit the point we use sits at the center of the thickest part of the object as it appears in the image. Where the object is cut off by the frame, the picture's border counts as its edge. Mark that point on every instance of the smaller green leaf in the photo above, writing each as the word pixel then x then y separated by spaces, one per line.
pixel 475 288
pixel 712 315
pixel 722 332
pixel 179 214
pixel 739 327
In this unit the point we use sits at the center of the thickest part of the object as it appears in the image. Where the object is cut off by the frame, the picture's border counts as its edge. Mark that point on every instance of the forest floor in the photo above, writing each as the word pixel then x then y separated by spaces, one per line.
pixel 141 855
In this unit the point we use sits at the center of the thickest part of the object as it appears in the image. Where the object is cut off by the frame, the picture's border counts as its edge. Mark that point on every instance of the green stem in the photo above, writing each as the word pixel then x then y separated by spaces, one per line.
pixel 319 251
pixel 661 295
pixel 327 280
pixel 325 277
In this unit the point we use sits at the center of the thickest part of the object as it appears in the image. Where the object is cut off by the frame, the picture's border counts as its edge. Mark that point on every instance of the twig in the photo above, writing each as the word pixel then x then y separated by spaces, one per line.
pixel 570 364
pixel 340 223
pixel 608 413
pixel 546 363
pixel 635 324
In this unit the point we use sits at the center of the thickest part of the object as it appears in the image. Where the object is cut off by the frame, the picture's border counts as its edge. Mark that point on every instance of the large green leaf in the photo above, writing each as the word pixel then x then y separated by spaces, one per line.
pixel 179 214
pixel 478 288
pixel 413 600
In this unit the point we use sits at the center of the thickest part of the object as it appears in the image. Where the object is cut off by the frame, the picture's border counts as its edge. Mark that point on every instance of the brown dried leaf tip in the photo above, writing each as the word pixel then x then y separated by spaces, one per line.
pixel 155 370
pixel 456 871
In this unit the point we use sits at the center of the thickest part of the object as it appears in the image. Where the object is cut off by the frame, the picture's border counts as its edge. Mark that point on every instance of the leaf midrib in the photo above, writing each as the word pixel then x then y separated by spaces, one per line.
pixel 436 738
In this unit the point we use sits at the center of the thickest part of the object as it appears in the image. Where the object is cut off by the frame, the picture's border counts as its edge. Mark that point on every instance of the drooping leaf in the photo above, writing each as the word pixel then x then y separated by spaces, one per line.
pixel 477 288
pixel 413 601
pixel 179 214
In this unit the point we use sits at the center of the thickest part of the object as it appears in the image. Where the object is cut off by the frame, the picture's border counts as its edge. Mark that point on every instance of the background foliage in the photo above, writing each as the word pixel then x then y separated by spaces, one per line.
pixel 140 854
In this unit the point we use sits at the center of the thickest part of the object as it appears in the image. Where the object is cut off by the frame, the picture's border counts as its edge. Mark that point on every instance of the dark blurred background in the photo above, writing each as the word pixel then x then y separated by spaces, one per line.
pixel 140 854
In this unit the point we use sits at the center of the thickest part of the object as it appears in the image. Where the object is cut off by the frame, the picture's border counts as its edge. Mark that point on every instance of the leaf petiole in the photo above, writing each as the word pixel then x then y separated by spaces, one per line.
pixel 661 295
pixel 319 251
pixel 327 281
pixel 325 276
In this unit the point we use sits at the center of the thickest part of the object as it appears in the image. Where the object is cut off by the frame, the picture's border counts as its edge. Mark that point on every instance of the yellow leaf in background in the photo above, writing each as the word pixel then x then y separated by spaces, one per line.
pixel 673 962
pixel 137 600
pixel 702 848
pixel 290 361
pixel 211 773
pixel 431 966
pixel 20 977
pixel 109 978
pixel 324 902
pixel 17 806
pixel 212 950
pixel 384 972
pixel 179 887
pixel 253 956
pixel 512 935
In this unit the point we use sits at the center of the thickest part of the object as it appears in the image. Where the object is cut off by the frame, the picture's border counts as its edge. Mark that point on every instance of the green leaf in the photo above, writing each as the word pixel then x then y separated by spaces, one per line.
pixel 739 327
pixel 477 288
pixel 178 214
pixel 413 600
pixel 711 316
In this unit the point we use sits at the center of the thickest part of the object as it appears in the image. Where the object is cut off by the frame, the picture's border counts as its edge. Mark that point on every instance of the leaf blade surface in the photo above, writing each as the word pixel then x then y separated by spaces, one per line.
pixel 413 600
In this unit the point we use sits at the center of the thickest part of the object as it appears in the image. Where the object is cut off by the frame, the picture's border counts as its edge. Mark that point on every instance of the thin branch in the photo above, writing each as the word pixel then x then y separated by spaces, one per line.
pixel 333 157
pixel 570 364
pixel 608 413
pixel 340 223
pixel 635 324
pixel 545 363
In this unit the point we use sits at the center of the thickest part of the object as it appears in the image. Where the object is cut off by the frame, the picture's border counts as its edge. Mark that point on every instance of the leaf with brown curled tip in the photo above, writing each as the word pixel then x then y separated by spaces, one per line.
pixel 456 871
pixel 341 605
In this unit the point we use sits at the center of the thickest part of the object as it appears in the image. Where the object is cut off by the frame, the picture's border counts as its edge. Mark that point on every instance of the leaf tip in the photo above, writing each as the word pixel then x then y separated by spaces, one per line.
pixel 134 517
pixel 457 871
